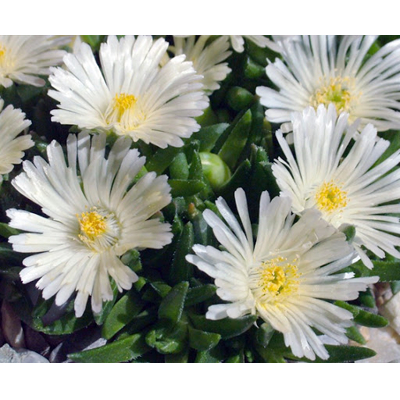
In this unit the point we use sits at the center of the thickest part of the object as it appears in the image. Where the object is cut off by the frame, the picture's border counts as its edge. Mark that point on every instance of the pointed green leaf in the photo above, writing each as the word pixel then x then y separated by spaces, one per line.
pixel 161 159
pixel 235 143
pixel 209 135
pixel 203 341
pixel 239 98
pixel 122 313
pixel 179 168
pixel 341 354
pixel 167 340
pixel 239 179
pixel 362 317
pixel 215 355
pixel 264 334
pixel 119 351
pixel 171 307
pixel 355 335
pixel 182 187
pixel 6 231
pixel 226 327
pixel 199 294
pixel 181 270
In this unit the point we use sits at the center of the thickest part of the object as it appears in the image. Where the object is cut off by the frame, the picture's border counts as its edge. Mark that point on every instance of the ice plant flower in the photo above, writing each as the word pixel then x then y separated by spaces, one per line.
pixel 94 215
pixel 207 58
pixel 24 58
pixel 335 173
pixel 285 276
pixel 12 123
pixel 318 70
pixel 130 94
pixel 237 41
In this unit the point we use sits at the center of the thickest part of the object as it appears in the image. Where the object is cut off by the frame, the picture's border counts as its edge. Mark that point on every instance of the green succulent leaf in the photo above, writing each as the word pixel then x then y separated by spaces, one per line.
pixel 122 313
pixel 362 317
pixel 167 340
pixel 209 135
pixel 341 354
pixel 181 270
pixel 119 351
pixel 199 294
pixel 171 307
pixel 183 187
pixel 226 327
pixel 236 142
pixel 203 341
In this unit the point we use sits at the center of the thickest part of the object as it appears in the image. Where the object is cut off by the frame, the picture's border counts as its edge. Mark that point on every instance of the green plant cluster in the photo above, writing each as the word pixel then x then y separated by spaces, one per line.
pixel 162 318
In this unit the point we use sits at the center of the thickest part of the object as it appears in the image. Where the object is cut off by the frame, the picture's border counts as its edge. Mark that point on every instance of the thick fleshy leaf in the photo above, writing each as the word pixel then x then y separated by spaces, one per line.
pixel 232 148
pixel 122 313
pixel 226 327
pixel 171 307
pixel 203 341
pixel 181 270
pixel 362 317
pixel 209 135
pixel 119 351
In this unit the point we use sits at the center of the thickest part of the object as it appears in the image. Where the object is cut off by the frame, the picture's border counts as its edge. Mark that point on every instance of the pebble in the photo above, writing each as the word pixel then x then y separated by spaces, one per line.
pixel 10 355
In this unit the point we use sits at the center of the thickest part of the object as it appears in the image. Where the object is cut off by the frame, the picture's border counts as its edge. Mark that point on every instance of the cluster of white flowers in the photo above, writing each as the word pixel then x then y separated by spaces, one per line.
pixel 328 95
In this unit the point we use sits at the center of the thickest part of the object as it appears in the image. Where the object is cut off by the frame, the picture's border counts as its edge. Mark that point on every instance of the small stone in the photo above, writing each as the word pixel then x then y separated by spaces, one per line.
pixel 384 341
pixel 391 311
pixel 10 355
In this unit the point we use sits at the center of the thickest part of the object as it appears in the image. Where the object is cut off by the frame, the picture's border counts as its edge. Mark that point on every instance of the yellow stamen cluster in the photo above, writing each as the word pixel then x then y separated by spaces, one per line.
pixel 330 197
pixel 92 225
pixel 278 277
pixel 338 91
pixel 122 103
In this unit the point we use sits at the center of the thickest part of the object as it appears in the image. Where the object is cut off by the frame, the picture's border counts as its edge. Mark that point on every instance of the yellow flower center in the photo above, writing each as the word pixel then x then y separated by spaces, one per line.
pixel 124 113
pixel 339 91
pixel 122 103
pixel 7 61
pixel 92 225
pixel 278 278
pixel 330 197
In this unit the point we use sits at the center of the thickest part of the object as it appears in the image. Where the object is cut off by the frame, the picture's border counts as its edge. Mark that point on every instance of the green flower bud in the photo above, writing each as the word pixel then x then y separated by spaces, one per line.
pixel 239 98
pixel 215 169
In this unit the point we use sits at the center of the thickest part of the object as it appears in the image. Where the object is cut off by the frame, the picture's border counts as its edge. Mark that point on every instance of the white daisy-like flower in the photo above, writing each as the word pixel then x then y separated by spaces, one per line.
pixel 318 70
pixel 24 58
pixel 207 59
pixel 237 41
pixel 95 215
pixel 12 123
pixel 130 95
pixel 286 276
pixel 336 174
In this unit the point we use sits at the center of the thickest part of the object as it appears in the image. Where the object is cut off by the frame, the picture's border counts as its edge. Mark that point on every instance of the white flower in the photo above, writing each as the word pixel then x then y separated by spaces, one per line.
pixel 23 58
pixel 237 41
pixel 336 174
pixel 285 276
pixel 12 123
pixel 94 216
pixel 130 95
pixel 315 70
pixel 207 59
